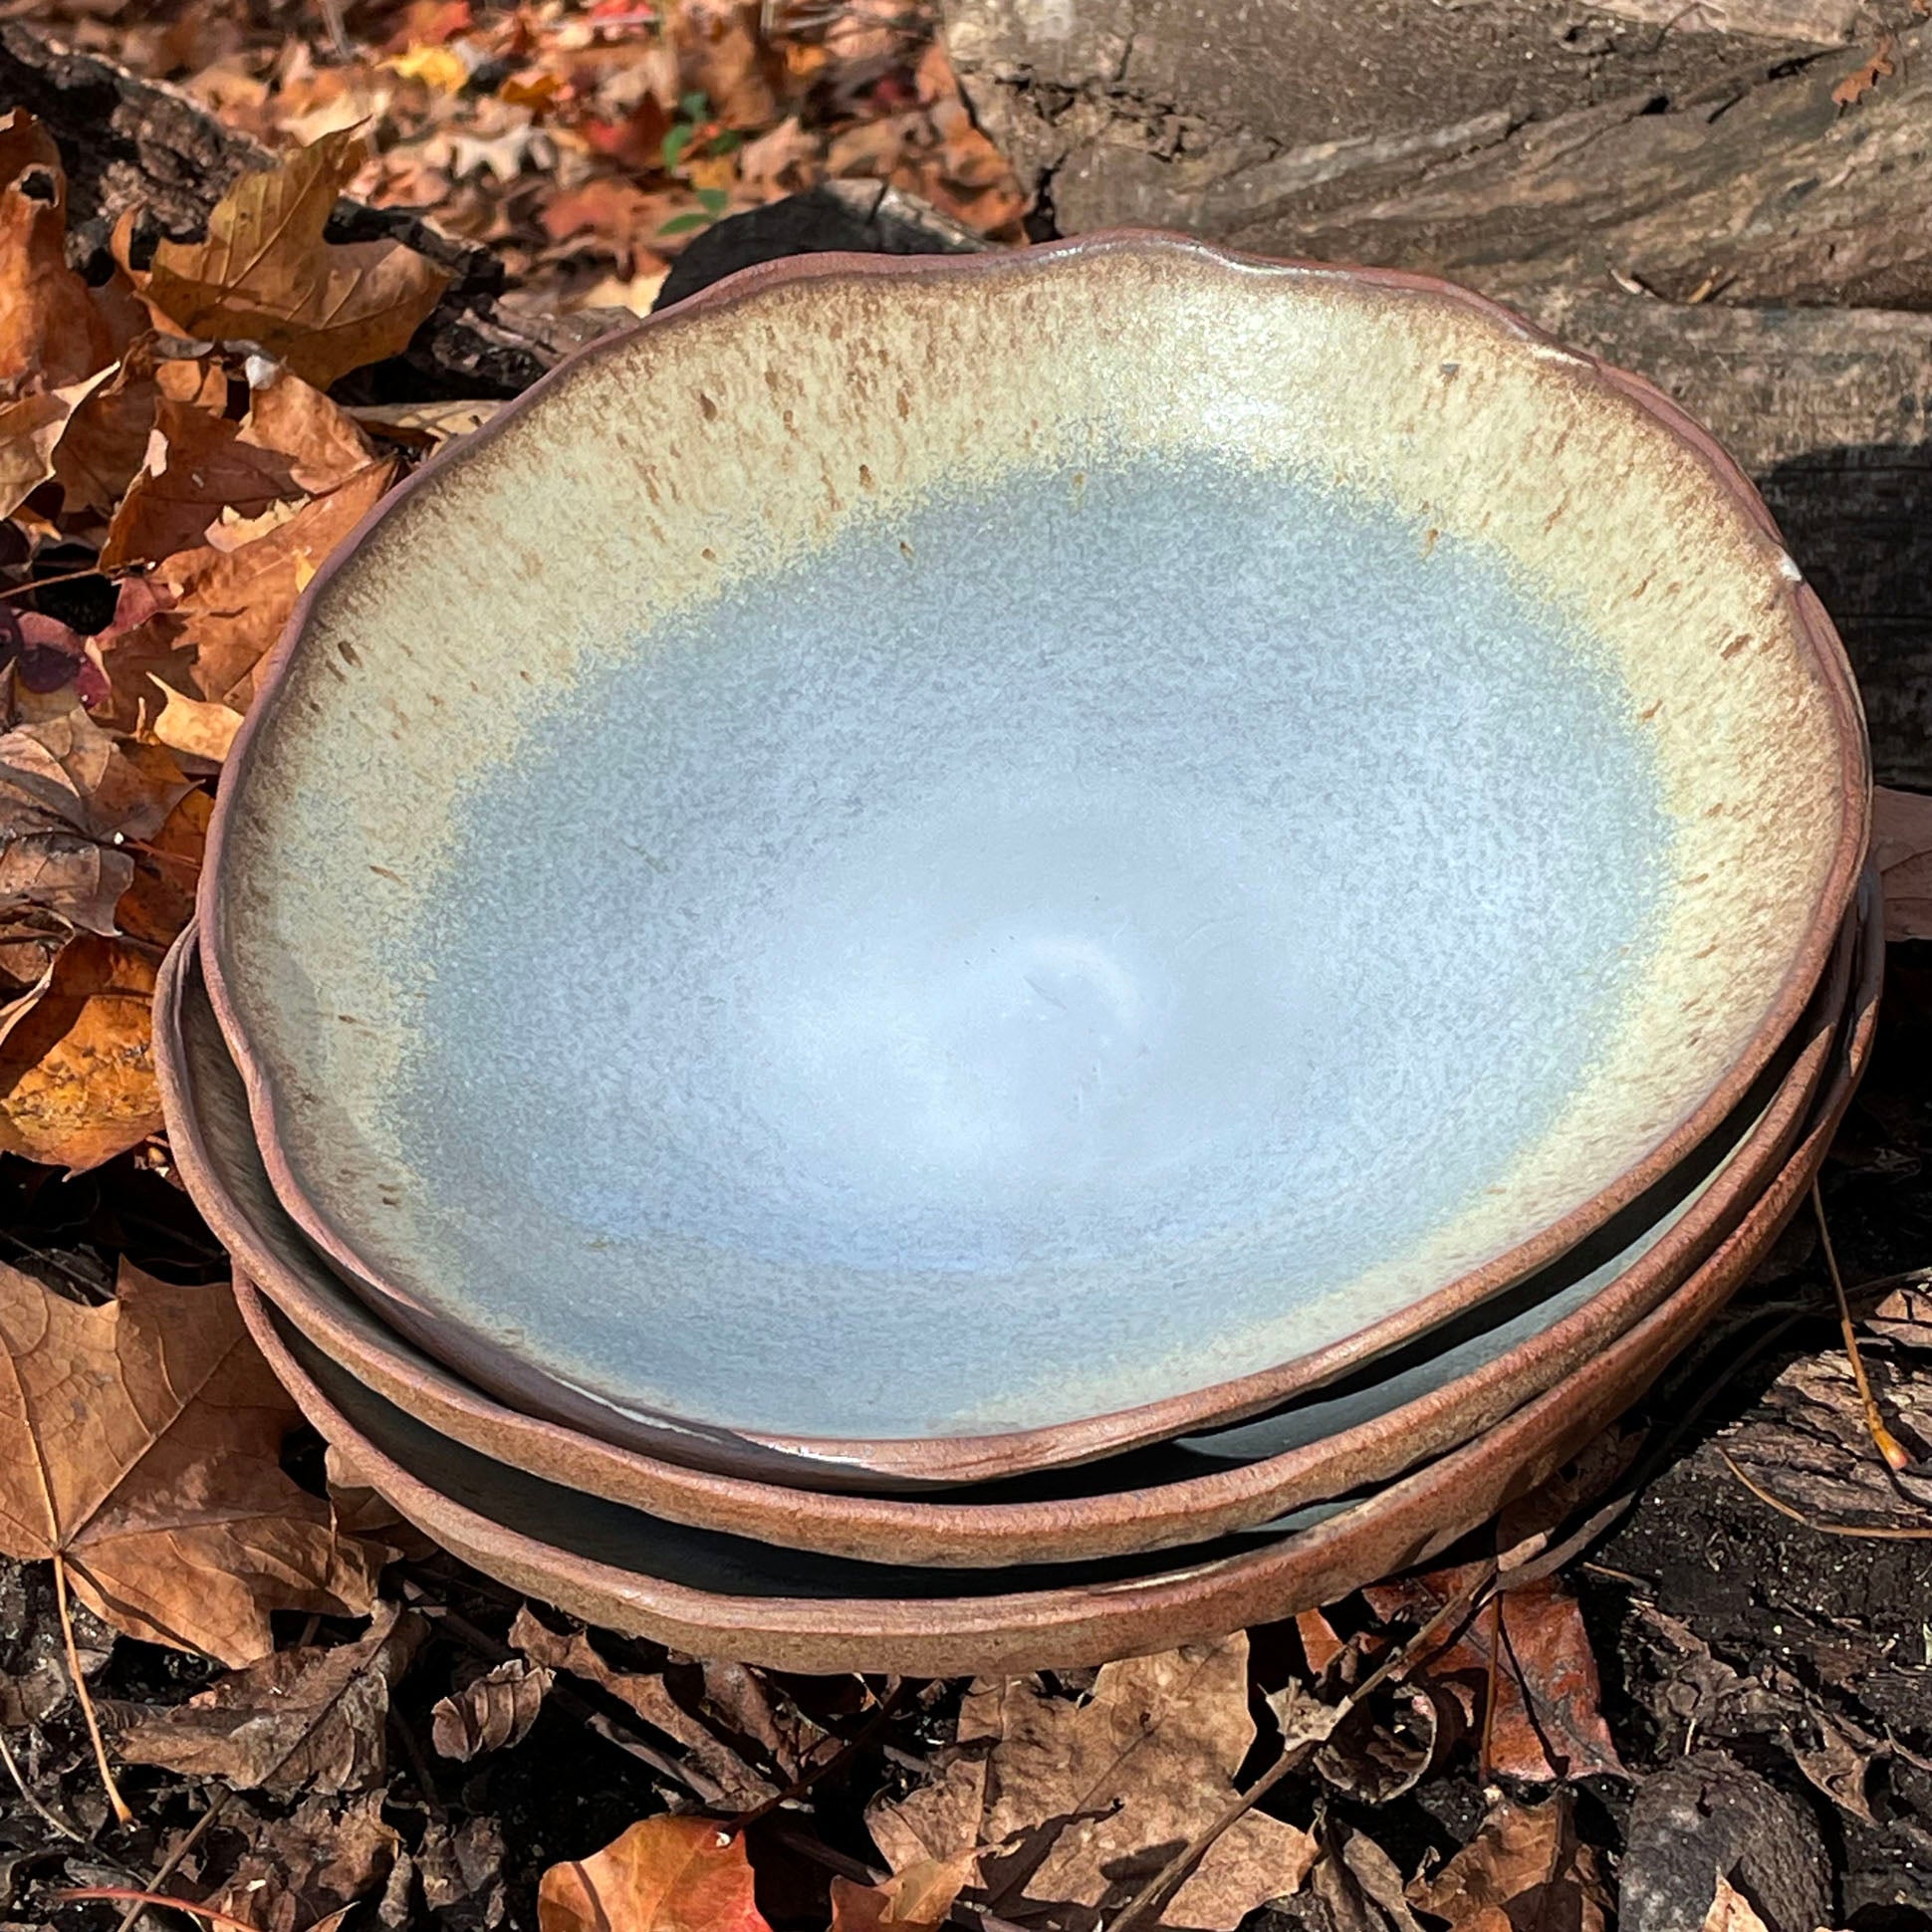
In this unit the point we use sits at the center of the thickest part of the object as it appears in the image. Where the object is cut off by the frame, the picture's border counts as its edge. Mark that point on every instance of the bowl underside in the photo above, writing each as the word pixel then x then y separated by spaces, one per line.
pixel 774 914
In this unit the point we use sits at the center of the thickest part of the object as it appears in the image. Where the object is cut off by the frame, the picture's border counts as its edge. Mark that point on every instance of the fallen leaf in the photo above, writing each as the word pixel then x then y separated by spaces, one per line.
pixel 917 1899
pixel 664 1875
pixel 200 468
pixel 723 56
pixel 266 275
pixel 1084 1800
pixel 77 1067
pixel 1901 848
pixel 301 1871
pixel 105 443
pixel 359 1513
pixel 196 726
pixel 48 660
pixel 1531 1644
pixel 1356 1885
pixel 462 1863
pixel 492 1712
pixel 1905 1318
pixel 52 330
pixel 1861 80
pixel 30 429
pixel 736 1785
pixel 423 425
pixel 780 163
pixel 168 868
pixel 1524 1871
pixel 1731 1911
pixel 142 1441
pixel 312 1718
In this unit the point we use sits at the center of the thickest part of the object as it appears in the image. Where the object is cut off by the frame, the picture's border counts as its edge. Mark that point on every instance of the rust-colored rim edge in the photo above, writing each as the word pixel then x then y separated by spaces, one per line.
pixel 900 1529
pixel 845 1463
pixel 1404 1525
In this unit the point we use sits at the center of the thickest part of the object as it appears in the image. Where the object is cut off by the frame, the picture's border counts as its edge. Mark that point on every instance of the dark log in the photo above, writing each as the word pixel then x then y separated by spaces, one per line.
pixel 129 143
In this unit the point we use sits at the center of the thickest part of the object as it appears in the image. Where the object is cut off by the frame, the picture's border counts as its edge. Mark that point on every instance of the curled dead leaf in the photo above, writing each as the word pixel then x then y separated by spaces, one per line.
pixel 266 275
pixel 1525 1869
pixel 664 1875
pixel 53 331
pixel 143 1441
pixel 312 1718
pixel 491 1712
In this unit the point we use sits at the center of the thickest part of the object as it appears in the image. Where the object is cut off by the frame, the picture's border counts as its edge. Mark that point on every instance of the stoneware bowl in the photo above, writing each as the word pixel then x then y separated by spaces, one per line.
pixel 1414 1405
pixel 788 1610
pixel 950 865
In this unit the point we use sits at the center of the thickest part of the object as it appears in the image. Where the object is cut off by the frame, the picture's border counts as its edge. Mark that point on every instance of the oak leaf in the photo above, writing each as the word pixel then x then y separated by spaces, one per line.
pixel 1901 848
pixel 52 330
pixel 1524 1871
pixel 664 1875
pixel 917 1899
pixel 1078 1804
pixel 266 275
pixel 142 1443
pixel 310 1718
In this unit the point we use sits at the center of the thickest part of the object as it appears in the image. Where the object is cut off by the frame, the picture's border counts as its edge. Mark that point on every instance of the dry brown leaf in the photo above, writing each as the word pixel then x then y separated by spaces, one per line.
pixel 1357 1886
pixel 266 275
pixel 168 868
pixel 1524 1871
pixel 312 1718
pixel 105 444
pixel 1731 1911
pixel 1531 1645
pixel 1083 1801
pixel 301 1871
pixel 721 52
pixel 142 1442
pixel 1901 848
pixel 491 1713
pixel 202 470
pixel 646 1692
pixel 52 330
pixel 77 1067
pixel 917 1899
pixel 1861 80
pixel 30 429
pixel 664 1875
pixel 197 727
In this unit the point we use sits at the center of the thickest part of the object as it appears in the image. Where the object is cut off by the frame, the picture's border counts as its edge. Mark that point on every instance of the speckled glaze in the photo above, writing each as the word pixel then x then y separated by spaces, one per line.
pixel 589 1560
pixel 949 866
pixel 1163 1496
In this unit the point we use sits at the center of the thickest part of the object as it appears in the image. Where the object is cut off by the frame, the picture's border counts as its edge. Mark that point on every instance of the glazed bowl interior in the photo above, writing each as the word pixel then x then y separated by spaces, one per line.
pixel 937 851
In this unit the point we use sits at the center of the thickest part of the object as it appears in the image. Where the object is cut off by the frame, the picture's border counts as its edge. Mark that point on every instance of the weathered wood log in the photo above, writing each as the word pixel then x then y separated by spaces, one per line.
pixel 1479 141
pixel 129 143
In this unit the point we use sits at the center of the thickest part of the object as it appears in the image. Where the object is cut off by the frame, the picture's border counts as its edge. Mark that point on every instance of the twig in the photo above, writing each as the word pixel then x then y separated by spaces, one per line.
pixel 182 1846
pixel 46 1817
pixel 806 1779
pixel 1888 1533
pixel 1889 1446
pixel 122 1813
pixel 1152 1894
pixel 120 1894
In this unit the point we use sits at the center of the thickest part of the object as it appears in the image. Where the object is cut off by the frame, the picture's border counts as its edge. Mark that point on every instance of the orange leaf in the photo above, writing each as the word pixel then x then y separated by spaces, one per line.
pixel 1861 80
pixel 142 1441
pixel 917 1899
pixel 52 330
pixel 266 275
pixel 665 1874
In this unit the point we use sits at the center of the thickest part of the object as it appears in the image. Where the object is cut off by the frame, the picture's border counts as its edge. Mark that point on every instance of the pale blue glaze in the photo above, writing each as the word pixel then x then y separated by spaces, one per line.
pixel 988 985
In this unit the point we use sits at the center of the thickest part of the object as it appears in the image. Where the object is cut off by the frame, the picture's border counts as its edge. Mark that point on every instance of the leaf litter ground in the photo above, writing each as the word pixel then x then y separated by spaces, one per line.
pixel 1717 1711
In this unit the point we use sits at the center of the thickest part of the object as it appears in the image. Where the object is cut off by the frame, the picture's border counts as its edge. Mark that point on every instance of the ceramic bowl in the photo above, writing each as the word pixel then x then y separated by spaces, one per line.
pixel 724 1596
pixel 950 865
pixel 1426 1399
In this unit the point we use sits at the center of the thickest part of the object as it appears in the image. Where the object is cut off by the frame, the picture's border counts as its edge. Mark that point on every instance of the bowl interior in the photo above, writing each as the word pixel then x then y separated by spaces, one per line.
pixel 786 897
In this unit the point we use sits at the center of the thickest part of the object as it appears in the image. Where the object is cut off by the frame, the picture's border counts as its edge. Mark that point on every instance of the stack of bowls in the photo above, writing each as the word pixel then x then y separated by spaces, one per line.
pixel 975 964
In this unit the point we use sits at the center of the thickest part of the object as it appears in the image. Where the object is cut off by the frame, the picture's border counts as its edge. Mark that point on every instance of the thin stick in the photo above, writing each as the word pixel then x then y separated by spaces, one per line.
pixel 1483 1757
pixel 1893 1532
pixel 1887 1444
pixel 183 1845
pixel 126 1894
pixel 799 1786
pixel 1154 1892
pixel 122 1813
pixel 47 1817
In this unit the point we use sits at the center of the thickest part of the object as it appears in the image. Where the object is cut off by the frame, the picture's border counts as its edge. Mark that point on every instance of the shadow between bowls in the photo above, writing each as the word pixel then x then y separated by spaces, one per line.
pixel 910 1462
pixel 588 1556
pixel 1164 1497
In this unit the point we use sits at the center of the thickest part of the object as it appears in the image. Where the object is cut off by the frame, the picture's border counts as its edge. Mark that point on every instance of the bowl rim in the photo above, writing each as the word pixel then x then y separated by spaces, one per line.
pixel 952 1459
pixel 1402 1525
pixel 909 1528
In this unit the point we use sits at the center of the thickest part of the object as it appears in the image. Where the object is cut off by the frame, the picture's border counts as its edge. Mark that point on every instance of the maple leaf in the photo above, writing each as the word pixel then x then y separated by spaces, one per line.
pixel 1083 1803
pixel 266 275
pixel 1531 1644
pixel 1524 1871
pixel 1901 848
pixel 52 330
pixel 313 1717
pixel 141 1442
pixel 664 1875
pixel 917 1899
